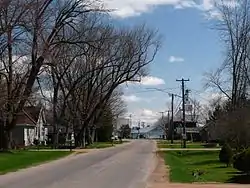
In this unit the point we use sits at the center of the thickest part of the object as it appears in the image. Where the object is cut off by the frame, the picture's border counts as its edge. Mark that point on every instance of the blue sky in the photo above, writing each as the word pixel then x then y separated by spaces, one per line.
pixel 190 47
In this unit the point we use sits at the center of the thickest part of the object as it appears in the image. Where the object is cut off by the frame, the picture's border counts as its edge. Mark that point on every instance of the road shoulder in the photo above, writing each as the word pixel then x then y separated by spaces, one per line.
pixel 160 176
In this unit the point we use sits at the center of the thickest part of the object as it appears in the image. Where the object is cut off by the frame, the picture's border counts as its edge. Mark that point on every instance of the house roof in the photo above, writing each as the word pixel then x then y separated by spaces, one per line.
pixel 29 115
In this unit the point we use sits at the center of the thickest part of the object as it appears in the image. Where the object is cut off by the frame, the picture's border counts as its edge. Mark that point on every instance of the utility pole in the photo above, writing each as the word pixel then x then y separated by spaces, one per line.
pixel 162 119
pixel 168 116
pixel 162 115
pixel 167 127
pixel 172 120
pixel 183 109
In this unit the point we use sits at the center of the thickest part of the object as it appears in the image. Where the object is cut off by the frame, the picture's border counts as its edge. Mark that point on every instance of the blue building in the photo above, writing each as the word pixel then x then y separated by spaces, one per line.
pixel 150 132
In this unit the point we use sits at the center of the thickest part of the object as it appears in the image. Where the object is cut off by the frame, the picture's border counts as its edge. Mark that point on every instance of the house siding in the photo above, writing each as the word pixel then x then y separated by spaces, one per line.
pixel 42 132
pixel 29 136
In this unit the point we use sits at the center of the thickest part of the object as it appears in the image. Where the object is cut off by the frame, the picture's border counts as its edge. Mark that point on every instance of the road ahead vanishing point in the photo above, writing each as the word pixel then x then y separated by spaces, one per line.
pixel 126 166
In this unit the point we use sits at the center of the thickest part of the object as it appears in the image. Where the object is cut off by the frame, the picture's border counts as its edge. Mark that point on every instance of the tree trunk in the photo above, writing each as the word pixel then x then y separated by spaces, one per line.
pixel 89 136
pixel 8 140
pixel 55 102
pixel 84 138
pixel 93 136
pixel 3 139
pixel 96 136
pixel 77 141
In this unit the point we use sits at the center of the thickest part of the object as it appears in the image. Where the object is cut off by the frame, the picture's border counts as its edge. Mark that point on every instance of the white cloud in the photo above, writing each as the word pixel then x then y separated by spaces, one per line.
pixel 128 8
pixel 173 59
pixel 152 81
pixel 131 98
pixel 134 98
pixel 144 115
pixel 210 11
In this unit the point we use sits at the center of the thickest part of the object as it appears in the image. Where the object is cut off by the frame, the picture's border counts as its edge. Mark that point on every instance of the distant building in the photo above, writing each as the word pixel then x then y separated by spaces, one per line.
pixel 192 127
pixel 149 132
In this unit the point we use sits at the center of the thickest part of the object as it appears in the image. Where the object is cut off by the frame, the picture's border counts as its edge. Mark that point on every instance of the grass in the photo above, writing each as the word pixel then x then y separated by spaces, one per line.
pixel 168 142
pixel 13 161
pixel 184 164
pixel 177 144
pixel 98 145
pixel 39 147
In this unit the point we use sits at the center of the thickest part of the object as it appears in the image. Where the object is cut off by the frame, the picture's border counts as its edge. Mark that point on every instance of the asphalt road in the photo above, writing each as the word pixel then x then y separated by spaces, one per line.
pixel 126 166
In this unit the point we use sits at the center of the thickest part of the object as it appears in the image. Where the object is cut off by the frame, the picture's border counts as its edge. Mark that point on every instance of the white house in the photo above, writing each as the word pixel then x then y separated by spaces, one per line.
pixel 30 126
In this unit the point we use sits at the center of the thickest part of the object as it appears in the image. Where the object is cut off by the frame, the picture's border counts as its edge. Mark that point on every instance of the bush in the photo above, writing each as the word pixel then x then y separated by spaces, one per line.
pixel 226 154
pixel 242 161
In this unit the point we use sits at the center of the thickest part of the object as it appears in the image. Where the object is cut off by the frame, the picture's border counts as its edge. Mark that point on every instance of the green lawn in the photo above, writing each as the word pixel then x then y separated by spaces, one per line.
pixel 98 145
pixel 13 161
pixel 179 146
pixel 184 164
pixel 167 144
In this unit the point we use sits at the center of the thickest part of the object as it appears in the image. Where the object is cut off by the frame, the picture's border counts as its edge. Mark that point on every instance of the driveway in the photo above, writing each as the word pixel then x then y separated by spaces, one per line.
pixel 126 166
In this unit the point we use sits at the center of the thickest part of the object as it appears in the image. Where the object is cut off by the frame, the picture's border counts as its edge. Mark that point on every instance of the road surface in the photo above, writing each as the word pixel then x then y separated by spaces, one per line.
pixel 126 166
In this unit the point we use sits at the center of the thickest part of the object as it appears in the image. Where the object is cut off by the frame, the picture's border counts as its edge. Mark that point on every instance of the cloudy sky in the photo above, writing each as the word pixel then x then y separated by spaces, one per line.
pixel 190 48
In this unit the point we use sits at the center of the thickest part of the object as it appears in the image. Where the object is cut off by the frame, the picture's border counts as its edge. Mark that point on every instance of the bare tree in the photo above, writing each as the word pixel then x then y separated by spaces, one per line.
pixel 234 28
pixel 65 47
pixel 36 26
pixel 114 57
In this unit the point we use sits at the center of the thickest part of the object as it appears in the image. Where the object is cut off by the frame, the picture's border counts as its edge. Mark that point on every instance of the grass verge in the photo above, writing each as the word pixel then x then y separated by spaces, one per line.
pixel 167 144
pixel 198 166
pixel 14 161
pixel 179 146
pixel 99 145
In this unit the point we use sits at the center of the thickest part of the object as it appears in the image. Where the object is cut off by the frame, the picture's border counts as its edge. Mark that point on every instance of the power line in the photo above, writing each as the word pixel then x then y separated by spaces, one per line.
pixel 154 90
pixel 162 90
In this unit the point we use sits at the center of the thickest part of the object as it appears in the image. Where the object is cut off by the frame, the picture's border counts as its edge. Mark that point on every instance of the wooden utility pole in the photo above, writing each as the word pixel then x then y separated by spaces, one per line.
pixel 168 116
pixel 183 110
pixel 162 115
pixel 172 120
pixel 162 119
pixel 167 126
